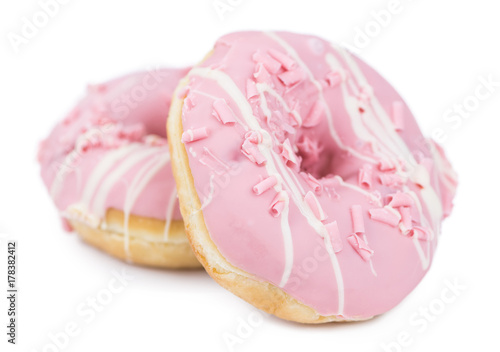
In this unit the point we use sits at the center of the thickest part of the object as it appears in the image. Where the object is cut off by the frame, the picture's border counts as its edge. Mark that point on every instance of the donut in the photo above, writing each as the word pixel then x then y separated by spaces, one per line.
pixel 107 169
pixel 306 186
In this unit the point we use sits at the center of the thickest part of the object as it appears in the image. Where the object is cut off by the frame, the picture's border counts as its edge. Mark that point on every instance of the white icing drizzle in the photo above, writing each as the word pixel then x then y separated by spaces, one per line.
pixel 387 124
pixel 297 182
pixel 352 104
pixel 55 188
pixel 360 190
pixel 213 159
pixel 288 242
pixel 170 211
pixel 64 169
pixel 102 168
pixel 108 171
pixel 424 260
pixel 192 152
pixel 446 173
pixel 208 199
pixel 140 181
pixel 204 94
pixel 98 205
pixel 370 261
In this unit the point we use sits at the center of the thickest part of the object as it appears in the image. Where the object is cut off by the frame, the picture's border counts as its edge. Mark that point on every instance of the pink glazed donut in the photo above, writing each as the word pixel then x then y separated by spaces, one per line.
pixel 305 184
pixel 107 168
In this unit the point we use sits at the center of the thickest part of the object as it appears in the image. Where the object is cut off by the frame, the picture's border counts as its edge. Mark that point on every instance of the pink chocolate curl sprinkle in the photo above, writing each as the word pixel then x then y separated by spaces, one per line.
pixel 278 204
pixel 334 233
pixel 223 112
pixel 282 58
pixel 385 215
pixel 360 247
pixel 398 115
pixel 269 63
pixel 265 184
pixel 357 219
pixel 292 77
pixel 400 200
pixel 192 135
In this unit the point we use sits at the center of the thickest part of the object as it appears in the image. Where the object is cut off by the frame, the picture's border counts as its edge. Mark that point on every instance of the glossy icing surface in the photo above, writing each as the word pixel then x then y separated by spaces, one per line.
pixel 312 172
pixel 111 151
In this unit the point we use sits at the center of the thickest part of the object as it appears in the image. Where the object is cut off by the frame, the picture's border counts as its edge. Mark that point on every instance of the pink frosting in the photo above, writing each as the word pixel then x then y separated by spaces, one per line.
pixel 111 150
pixel 324 184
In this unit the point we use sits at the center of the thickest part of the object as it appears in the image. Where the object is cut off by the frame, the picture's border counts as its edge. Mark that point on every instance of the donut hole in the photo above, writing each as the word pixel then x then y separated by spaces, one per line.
pixel 315 159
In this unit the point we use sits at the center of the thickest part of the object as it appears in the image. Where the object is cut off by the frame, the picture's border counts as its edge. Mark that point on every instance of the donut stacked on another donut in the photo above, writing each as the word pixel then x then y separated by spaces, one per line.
pixel 305 184
pixel 107 168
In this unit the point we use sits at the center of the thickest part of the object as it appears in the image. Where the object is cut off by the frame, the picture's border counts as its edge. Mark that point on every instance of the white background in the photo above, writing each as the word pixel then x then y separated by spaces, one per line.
pixel 434 52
